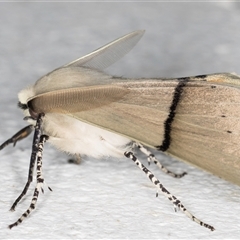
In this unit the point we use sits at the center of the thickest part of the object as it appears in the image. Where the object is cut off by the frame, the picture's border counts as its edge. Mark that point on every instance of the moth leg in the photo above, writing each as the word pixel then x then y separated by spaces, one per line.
pixel 152 158
pixel 77 160
pixel 40 181
pixel 176 202
pixel 23 133
pixel 36 139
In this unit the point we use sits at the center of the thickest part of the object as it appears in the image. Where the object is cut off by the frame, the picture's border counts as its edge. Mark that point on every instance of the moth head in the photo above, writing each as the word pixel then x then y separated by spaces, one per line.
pixel 23 97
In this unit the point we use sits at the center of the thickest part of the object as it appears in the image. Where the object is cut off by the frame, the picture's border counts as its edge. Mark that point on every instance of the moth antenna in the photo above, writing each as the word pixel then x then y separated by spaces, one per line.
pixel 152 158
pixel 40 181
pixel 36 139
pixel 176 202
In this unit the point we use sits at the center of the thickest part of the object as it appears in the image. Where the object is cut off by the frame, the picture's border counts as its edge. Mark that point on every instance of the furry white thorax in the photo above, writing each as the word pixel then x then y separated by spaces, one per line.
pixel 75 137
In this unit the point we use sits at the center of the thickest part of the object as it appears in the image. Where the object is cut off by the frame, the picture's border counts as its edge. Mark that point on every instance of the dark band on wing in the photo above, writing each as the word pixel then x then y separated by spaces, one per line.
pixel 172 112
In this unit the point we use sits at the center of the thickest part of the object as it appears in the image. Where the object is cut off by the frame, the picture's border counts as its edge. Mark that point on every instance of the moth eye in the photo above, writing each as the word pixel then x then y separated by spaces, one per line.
pixel 22 106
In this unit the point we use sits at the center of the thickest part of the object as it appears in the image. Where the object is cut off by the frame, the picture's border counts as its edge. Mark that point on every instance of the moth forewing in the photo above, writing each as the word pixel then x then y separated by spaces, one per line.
pixel 138 108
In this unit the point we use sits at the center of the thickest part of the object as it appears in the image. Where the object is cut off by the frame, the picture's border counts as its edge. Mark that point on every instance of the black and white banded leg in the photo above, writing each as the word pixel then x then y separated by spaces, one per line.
pixel 36 139
pixel 39 184
pixel 152 158
pixel 176 202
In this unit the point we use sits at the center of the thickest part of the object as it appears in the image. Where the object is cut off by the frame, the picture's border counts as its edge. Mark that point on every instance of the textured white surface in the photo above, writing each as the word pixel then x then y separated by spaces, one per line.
pixel 111 198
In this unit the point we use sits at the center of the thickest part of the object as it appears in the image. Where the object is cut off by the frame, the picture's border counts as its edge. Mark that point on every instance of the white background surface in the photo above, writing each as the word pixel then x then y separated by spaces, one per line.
pixel 111 198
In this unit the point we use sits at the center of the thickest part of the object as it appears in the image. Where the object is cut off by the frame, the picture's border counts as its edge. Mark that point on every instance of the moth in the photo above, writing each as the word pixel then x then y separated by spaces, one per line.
pixel 83 111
